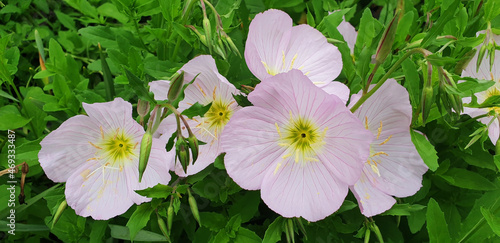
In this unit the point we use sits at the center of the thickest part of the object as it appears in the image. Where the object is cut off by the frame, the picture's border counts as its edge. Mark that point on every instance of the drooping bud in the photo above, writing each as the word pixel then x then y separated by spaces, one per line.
pixel 480 56
pixel 450 100
pixel 145 151
pixel 194 145
pixel 163 227
pixel 231 44
pixel 206 26
pixel 142 109
pixel 194 206
pixel 170 216
pixel 385 44
pixel 175 86
pixel 59 212
pixel 182 152
pixel 202 37
pixel 427 97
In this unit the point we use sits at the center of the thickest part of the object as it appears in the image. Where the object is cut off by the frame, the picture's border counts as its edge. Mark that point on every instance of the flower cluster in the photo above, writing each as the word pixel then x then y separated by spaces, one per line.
pixel 299 143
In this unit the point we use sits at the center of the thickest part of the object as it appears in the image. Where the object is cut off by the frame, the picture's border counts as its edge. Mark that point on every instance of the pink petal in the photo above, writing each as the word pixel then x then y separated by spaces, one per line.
pixel 303 190
pixel 493 129
pixel 349 33
pixel 371 200
pixel 67 148
pixel 316 58
pixel 266 42
pixel 160 89
pixel 116 114
pixel 339 89
pixel 94 194
pixel 248 159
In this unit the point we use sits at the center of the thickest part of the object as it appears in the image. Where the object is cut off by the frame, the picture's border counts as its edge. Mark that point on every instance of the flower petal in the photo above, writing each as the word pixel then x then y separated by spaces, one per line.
pixel 266 42
pixel 102 196
pixel 303 190
pixel 248 159
pixel 116 114
pixel 349 33
pixel 371 200
pixel 339 89
pixel 67 148
pixel 160 89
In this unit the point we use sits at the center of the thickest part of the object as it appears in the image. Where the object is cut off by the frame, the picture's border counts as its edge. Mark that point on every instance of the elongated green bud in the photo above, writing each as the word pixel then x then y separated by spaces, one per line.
pixel 145 151
pixel 206 26
pixel 59 212
pixel 385 44
pixel 175 86
pixel 231 44
pixel 480 56
pixel 170 217
pixel 194 146
pixel 491 53
pixel 163 227
pixel 182 151
pixel 203 38
pixel 194 207
pixel 427 97
pixel 143 108
pixel 290 228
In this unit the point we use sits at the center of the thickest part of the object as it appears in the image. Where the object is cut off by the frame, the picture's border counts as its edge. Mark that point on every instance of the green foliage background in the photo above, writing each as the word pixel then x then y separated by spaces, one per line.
pixel 95 50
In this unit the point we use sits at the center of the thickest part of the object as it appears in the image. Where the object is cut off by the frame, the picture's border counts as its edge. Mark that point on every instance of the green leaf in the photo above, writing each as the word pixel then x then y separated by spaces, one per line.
pixel 57 56
pixel 108 78
pixel 403 209
pixel 245 235
pixel 437 28
pixel 65 20
pixel 213 221
pixel 274 231
pixel 425 150
pixel 436 223
pixel 467 179
pixel 98 230
pixel 412 81
pixel 138 87
pixel 493 221
pixel 491 9
pixel 247 206
pixel 139 219
pixel 158 191
pixel 11 118
pixel 122 233
pixel 196 109
pixel 70 227
pixel 242 100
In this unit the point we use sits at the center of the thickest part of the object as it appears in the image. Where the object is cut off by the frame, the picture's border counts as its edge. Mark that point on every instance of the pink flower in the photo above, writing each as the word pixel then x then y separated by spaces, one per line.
pixel 394 167
pixel 208 87
pixel 98 157
pixel 299 145
pixel 484 73
pixel 275 46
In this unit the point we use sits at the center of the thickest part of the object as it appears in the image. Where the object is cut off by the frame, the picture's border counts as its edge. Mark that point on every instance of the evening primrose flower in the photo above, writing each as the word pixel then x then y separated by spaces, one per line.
pixel 484 73
pixel 275 46
pixel 394 167
pixel 299 145
pixel 209 87
pixel 98 156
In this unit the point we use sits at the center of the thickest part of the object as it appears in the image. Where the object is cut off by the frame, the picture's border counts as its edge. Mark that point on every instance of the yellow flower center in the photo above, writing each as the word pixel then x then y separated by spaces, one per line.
pixel 219 114
pixel 285 66
pixel 492 92
pixel 115 147
pixel 302 139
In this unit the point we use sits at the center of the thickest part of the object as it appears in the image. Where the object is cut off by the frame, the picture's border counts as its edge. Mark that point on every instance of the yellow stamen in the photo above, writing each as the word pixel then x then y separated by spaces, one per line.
pixel 366 122
pixel 213 93
pixel 375 169
pixel 311 159
pixel 379 153
pixel 102 132
pixel 286 156
pixel 283 59
pixel 95 146
pixel 293 60
pixel 199 87
pixel 386 140
pixel 307 73
pixel 278 129
pixel 379 130
pixel 276 169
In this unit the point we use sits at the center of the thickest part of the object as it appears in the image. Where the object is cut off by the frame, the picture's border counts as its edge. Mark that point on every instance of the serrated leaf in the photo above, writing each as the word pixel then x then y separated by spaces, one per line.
pixel 157 191
pixel 440 23
pixel 122 233
pixel 274 231
pixel 11 118
pixel 467 179
pixel 493 221
pixel 138 87
pixel 425 149
pixel 139 219
pixel 436 223
pixel 403 209
pixel 196 109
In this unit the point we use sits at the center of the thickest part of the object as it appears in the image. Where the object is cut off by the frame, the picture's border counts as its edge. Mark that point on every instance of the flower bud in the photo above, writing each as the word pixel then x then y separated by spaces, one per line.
pixel 59 212
pixel 231 44
pixel 145 151
pixel 491 53
pixel 385 44
pixel 143 108
pixel 451 101
pixel 194 206
pixel 163 227
pixel 175 86
pixel 203 38
pixel 427 97
pixel 480 56
pixel 206 26
pixel 181 149
pixel 194 145
pixel 170 217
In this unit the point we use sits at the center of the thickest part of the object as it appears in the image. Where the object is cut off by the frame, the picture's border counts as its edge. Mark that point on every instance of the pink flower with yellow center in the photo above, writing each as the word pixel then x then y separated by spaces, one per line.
pixel 209 87
pixel 484 73
pixel 299 145
pixel 275 46
pixel 98 158
pixel 394 167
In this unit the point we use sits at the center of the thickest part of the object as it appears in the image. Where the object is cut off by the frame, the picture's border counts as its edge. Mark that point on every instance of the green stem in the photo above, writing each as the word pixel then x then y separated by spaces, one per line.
pixel 386 76
pixel 140 37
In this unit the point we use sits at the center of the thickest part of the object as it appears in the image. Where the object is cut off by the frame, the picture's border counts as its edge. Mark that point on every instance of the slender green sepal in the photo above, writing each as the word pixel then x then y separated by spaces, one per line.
pixel 59 212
